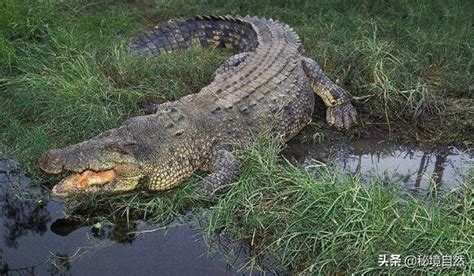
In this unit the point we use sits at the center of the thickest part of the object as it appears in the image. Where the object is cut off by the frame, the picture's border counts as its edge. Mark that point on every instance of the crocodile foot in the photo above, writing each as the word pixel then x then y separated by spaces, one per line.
pixel 341 116
pixel 223 172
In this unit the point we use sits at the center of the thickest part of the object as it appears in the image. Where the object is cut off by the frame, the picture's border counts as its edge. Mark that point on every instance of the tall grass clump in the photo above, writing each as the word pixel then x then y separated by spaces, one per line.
pixel 316 220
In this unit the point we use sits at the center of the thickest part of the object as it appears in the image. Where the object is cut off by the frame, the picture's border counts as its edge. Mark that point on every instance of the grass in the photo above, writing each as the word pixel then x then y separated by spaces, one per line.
pixel 65 63
pixel 66 75
pixel 328 223
pixel 310 220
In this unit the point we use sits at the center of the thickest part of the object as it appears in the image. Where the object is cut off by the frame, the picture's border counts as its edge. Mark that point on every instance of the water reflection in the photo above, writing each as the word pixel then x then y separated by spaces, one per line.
pixel 21 217
pixel 39 239
pixel 440 165
pixel 418 170
pixel 65 226
pixel 120 231
pixel 21 211
pixel 5 269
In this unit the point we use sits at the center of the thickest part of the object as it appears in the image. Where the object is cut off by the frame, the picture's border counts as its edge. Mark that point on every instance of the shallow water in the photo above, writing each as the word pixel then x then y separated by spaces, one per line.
pixel 36 239
pixel 416 169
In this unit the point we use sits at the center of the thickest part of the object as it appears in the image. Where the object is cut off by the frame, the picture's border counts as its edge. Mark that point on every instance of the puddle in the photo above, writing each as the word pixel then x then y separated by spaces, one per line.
pixel 416 169
pixel 36 239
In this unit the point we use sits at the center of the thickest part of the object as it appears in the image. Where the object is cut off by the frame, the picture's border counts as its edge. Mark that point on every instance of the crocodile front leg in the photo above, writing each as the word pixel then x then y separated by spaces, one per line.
pixel 223 170
pixel 340 112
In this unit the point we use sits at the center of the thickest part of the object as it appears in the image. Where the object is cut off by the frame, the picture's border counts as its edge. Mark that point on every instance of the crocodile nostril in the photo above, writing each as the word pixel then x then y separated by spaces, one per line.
pixel 50 163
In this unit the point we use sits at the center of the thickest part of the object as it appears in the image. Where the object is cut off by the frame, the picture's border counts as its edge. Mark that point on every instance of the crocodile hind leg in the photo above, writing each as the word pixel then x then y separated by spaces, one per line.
pixel 223 170
pixel 340 112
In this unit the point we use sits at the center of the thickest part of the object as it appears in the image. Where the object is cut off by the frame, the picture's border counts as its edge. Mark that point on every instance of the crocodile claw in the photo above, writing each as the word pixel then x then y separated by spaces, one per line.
pixel 341 116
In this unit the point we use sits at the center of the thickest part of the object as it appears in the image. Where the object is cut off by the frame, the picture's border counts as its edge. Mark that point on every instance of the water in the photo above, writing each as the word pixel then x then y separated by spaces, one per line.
pixel 37 239
pixel 415 168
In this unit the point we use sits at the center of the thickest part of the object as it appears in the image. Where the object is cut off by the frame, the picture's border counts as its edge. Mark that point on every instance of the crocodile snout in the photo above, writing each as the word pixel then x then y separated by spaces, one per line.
pixel 50 162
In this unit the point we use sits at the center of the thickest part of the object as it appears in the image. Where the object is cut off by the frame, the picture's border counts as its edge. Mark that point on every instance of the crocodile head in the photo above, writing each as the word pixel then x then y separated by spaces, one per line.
pixel 105 162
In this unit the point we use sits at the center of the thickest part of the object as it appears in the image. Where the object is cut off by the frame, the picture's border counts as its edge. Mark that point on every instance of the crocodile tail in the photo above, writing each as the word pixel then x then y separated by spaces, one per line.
pixel 208 31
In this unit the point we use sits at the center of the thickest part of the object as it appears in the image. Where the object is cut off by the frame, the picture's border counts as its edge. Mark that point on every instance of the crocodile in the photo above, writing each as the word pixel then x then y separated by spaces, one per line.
pixel 267 86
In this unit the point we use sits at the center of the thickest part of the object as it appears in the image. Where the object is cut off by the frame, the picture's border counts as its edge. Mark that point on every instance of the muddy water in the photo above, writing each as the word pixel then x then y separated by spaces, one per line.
pixel 416 169
pixel 36 239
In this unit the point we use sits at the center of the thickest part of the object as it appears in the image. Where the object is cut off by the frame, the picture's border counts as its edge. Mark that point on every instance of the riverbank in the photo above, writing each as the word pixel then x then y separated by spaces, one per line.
pixel 313 219
pixel 66 75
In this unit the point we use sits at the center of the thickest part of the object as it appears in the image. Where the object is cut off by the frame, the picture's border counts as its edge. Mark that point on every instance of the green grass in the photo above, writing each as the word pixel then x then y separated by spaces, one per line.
pixel 329 223
pixel 310 220
pixel 66 75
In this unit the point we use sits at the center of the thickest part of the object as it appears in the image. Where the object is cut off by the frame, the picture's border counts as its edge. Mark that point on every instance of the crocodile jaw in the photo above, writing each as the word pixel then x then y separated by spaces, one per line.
pixel 84 182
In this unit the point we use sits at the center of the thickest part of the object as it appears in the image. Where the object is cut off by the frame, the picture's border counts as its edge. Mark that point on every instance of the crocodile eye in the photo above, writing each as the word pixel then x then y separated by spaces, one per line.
pixel 333 102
